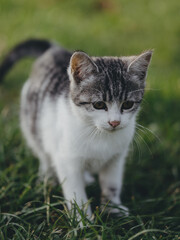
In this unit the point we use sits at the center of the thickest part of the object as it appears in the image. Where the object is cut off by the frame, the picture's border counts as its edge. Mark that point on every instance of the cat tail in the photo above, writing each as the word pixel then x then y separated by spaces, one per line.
pixel 28 48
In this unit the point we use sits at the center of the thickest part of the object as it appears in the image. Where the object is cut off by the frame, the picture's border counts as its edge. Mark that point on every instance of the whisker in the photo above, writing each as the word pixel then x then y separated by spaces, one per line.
pixel 83 133
pixel 131 150
pixel 136 90
pixel 144 142
pixel 143 131
pixel 92 135
pixel 150 131
pixel 152 89
pixel 146 89
pixel 138 146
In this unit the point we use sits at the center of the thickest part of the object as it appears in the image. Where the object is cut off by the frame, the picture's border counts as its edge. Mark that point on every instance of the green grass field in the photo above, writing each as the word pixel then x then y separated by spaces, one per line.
pixel 31 210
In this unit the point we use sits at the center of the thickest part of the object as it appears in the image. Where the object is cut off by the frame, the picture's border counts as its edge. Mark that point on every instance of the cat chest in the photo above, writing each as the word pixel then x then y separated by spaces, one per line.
pixel 98 152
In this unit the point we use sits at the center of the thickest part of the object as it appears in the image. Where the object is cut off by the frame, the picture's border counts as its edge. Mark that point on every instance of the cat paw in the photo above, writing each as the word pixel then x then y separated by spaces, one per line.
pixel 115 210
pixel 46 180
pixel 119 210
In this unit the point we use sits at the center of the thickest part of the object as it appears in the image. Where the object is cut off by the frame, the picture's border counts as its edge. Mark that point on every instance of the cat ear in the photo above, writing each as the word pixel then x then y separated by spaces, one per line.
pixel 139 65
pixel 82 66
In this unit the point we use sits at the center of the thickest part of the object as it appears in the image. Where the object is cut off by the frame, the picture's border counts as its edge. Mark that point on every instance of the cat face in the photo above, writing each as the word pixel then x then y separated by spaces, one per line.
pixel 107 92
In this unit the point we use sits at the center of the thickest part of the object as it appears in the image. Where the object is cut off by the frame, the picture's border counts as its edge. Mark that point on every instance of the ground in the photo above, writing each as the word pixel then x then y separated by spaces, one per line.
pixel 31 210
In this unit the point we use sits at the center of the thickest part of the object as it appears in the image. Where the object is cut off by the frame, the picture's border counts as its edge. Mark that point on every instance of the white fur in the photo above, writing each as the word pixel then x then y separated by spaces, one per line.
pixel 75 141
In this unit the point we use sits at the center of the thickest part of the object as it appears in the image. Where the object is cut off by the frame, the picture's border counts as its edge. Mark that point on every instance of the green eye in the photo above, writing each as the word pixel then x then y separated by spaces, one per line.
pixel 127 105
pixel 100 105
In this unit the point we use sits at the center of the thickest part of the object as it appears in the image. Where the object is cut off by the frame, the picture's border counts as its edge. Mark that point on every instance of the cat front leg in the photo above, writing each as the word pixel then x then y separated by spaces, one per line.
pixel 111 177
pixel 71 177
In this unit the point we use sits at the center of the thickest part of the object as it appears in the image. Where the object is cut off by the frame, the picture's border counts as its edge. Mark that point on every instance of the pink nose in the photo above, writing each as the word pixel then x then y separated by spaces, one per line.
pixel 114 123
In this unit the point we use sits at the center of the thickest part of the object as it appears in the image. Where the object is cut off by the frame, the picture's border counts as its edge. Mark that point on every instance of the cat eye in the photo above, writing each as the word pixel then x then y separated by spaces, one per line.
pixel 100 105
pixel 127 105
pixel 83 103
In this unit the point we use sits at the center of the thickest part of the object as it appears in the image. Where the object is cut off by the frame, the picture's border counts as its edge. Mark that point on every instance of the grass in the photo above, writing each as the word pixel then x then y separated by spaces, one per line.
pixel 31 210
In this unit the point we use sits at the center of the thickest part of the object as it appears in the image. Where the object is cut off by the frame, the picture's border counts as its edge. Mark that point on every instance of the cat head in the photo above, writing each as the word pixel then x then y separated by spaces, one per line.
pixel 106 92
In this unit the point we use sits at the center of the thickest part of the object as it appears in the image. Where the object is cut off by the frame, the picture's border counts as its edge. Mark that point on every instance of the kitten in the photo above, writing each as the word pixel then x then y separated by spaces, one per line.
pixel 78 114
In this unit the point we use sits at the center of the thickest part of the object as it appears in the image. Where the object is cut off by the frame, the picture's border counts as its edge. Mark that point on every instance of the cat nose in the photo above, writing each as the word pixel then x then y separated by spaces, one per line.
pixel 114 123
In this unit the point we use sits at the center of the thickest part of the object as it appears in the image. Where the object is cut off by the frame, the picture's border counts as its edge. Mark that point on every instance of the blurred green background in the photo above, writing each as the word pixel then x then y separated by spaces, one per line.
pixel 109 27
pixel 101 28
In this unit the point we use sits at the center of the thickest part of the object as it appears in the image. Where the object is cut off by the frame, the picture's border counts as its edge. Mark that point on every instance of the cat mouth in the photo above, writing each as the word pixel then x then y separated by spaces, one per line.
pixel 110 129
